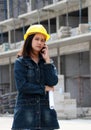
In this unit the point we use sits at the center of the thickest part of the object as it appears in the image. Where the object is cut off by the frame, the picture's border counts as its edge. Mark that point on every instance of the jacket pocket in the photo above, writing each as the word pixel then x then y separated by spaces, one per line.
pixel 24 118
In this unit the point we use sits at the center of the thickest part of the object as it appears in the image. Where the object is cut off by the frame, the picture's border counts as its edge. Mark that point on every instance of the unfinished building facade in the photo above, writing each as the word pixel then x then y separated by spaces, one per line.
pixel 69 23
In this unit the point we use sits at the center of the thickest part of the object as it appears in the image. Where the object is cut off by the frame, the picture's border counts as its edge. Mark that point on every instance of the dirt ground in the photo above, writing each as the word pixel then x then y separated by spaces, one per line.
pixel 74 124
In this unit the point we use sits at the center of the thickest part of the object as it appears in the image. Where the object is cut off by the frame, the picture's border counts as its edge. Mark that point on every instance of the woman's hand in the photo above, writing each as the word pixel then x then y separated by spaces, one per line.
pixel 45 54
pixel 48 88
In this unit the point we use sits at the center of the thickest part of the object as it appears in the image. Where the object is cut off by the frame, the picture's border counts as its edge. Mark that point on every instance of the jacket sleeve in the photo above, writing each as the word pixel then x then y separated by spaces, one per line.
pixel 51 77
pixel 22 85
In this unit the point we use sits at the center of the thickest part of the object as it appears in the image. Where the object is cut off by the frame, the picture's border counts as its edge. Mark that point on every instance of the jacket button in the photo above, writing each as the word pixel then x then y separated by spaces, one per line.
pixel 37 101
pixel 37 112
pixel 37 80
pixel 37 69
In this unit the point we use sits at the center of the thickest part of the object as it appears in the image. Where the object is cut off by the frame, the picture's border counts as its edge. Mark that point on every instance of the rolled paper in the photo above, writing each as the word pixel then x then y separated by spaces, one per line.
pixel 51 100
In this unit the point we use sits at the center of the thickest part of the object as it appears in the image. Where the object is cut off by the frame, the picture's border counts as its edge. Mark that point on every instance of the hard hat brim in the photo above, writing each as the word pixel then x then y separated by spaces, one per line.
pixel 26 35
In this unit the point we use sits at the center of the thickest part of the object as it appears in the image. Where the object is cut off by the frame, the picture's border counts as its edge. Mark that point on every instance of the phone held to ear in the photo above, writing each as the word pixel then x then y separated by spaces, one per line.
pixel 42 50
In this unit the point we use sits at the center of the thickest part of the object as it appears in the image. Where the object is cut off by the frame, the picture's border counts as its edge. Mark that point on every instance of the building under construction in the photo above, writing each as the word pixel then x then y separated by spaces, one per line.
pixel 69 24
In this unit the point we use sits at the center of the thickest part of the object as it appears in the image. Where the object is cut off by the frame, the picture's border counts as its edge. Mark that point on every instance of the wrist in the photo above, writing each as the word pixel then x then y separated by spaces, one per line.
pixel 47 60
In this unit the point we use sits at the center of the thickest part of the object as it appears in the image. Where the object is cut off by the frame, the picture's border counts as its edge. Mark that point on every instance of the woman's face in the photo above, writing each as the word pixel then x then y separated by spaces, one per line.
pixel 38 42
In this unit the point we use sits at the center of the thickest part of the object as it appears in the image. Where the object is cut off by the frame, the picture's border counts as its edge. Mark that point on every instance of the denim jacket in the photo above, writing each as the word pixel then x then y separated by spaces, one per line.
pixel 32 105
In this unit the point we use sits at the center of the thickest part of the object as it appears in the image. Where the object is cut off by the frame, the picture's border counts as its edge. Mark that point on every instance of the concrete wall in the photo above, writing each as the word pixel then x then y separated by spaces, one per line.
pixel 77 77
pixel 65 106
pixel 4 79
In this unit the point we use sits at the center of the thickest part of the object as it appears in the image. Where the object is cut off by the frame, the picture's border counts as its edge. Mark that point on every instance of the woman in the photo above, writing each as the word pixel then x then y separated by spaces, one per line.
pixel 35 76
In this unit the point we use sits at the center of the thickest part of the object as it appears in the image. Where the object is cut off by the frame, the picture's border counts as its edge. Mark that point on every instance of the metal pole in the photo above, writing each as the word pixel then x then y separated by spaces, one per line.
pixel 14 35
pixel 38 16
pixel 8 16
pixel 23 26
pixel 58 59
pixel 49 28
pixel 10 79
pixel 10 74
pixel 9 41
pixel 90 61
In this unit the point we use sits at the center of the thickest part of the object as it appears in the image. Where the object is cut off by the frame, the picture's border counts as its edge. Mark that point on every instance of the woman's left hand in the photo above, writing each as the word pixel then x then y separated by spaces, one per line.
pixel 48 88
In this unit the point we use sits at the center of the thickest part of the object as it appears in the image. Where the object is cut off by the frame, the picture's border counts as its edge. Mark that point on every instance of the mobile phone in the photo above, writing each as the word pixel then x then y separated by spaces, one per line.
pixel 42 49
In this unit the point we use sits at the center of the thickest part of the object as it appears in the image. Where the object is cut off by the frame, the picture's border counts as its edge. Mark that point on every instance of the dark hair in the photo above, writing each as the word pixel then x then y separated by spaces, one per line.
pixel 27 47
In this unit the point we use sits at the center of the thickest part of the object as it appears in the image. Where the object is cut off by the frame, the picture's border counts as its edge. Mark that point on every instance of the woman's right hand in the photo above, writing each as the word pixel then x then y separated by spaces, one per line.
pixel 45 54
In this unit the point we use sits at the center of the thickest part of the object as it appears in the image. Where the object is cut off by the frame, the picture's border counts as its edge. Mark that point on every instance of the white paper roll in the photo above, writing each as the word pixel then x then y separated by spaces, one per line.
pixel 51 100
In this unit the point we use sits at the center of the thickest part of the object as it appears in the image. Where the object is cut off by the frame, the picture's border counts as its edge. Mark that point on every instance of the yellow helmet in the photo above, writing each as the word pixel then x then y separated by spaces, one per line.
pixel 37 28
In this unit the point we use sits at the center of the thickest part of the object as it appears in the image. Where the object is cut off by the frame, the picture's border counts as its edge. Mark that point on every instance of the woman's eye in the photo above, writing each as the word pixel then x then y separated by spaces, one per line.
pixel 43 40
pixel 37 39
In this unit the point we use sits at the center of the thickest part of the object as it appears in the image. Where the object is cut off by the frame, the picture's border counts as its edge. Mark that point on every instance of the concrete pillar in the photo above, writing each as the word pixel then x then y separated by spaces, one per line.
pixel 49 28
pixel 14 33
pixel 8 9
pixel 1 32
pixel 67 16
pixel 30 3
pixel 89 13
pixel 38 16
pixel 57 23
pixel 29 6
pixel 54 1
pixel 80 11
